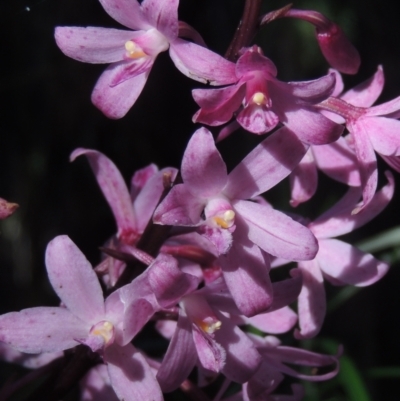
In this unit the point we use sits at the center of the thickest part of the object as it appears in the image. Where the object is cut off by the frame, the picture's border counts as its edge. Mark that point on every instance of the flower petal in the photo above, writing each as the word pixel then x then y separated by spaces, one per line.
pixel 384 134
pixel 126 12
pixel 303 180
pixel 348 264
pixel 312 300
pixel 149 197
pixel 168 282
pixel 163 15
pixel 93 44
pixel 276 322
pixel 338 161
pixel 338 220
pixel 74 279
pixel 42 329
pixel 242 358
pixel 201 64
pixel 218 105
pixel 116 100
pixel 203 170
pixel 180 358
pixel 179 208
pixel 266 165
pixel 131 376
pixel 257 119
pixel 276 233
pixel 114 190
pixel 366 93
pixel 367 160
pixel 246 273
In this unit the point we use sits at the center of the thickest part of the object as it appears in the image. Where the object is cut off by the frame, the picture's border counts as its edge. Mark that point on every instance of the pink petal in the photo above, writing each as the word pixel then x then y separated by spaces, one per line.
pixel 348 264
pixel 276 322
pixel 96 386
pixel 93 44
pixel 140 178
pixel 168 282
pixel 114 190
pixel 116 100
pixel 311 126
pixel 277 356
pixel 149 197
pixel 286 291
pixel 253 60
pixel 338 220
pixel 257 119
pixel 392 107
pixel 74 279
pixel 29 361
pixel 338 161
pixel 366 93
pixel 180 358
pixel 211 355
pixel 384 134
pixel 43 329
pixel 131 376
pixel 179 208
pixel 218 105
pixel 315 90
pixel 266 165
pixel 201 64
pixel 312 300
pixel 242 358
pixel 276 233
pixel 162 15
pixel 338 50
pixel 203 170
pixel 303 180
pixel 126 12
pixel 339 84
pixel 246 273
pixel 367 160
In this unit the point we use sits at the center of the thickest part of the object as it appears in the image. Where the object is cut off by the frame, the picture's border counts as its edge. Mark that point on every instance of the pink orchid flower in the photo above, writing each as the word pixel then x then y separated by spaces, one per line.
pixel 337 261
pixel 205 336
pixel 236 225
pixel 85 318
pixel 372 129
pixel 259 101
pixel 154 28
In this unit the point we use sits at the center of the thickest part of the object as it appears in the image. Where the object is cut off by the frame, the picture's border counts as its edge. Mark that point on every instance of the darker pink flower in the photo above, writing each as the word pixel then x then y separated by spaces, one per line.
pixel 259 101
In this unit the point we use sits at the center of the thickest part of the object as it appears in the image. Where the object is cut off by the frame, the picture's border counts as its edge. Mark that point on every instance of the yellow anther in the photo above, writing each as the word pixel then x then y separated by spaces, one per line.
pixel 259 98
pixel 133 50
pixel 209 327
pixel 226 220
pixel 104 329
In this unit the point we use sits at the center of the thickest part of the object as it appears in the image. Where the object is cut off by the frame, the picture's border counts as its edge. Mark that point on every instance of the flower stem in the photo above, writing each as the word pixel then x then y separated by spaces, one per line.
pixel 246 29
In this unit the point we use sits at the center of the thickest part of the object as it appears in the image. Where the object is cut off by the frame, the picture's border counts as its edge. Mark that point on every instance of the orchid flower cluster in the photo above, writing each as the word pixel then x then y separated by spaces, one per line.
pixel 194 247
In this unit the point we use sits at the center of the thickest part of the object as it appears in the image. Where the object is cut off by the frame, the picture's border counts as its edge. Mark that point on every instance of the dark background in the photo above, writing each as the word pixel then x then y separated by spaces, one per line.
pixel 46 113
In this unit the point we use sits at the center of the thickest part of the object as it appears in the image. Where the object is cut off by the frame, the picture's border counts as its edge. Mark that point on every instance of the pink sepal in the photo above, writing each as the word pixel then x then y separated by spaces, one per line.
pixel 74 280
pixel 114 190
pixel 180 358
pixel 130 375
pixel 115 101
pixel 201 64
pixel 312 300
